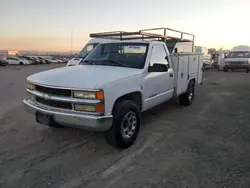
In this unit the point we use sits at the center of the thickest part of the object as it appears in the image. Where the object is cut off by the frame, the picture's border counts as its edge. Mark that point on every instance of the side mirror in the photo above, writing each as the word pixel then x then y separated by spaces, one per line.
pixel 157 67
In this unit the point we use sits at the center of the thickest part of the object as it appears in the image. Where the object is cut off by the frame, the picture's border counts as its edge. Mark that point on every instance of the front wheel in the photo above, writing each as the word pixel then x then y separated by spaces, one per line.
pixel 21 63
pixel 186 99
pixel 126 125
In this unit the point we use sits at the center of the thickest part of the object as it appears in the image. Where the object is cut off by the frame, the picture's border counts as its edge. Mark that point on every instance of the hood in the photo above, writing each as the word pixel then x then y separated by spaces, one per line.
pixel 83 76
pixel 237 59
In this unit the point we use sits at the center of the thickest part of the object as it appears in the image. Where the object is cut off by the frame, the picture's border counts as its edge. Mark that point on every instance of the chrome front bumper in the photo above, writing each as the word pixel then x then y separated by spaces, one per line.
pixel 71 119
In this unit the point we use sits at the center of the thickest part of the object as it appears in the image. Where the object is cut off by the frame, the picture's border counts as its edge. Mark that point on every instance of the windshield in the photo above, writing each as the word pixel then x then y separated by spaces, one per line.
pixel 239 55
pixel 87 48
pixel 119 54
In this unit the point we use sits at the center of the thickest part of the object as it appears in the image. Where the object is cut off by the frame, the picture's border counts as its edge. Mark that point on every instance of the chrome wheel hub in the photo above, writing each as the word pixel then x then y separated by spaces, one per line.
pixel 191 94
pixel 129 123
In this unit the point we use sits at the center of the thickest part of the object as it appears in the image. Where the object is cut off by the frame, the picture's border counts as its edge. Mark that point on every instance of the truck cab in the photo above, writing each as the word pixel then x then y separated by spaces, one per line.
pixel 238 58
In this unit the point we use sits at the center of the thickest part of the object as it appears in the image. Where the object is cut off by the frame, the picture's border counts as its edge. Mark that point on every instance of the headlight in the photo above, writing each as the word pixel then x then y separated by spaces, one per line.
pixel 30 86
pixel 98 95
pixel 99 108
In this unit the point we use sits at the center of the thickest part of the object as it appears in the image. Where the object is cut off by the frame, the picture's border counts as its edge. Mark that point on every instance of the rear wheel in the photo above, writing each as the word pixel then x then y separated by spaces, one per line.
pixel 225 70
pixel 126 125
pixel 186 99
pixel 21 63
pixel 247 70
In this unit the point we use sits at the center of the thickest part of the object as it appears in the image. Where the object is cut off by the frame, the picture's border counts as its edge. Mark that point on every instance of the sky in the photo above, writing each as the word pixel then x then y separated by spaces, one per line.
pixel 47 25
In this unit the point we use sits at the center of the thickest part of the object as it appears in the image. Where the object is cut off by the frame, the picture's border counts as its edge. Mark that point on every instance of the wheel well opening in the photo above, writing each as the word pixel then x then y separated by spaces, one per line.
pixel 193 80
pixel 135 97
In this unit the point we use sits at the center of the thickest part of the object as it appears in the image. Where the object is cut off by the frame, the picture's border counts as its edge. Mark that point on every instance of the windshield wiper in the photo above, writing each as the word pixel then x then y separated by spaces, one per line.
pixel 117 62
pixel 88 62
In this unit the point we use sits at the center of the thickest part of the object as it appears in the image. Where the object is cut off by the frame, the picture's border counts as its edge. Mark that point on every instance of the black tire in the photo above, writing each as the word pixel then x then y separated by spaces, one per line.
pixel 186 99
pixel 247 70
pixel 21 63
pixel 116 136
pixel 225 70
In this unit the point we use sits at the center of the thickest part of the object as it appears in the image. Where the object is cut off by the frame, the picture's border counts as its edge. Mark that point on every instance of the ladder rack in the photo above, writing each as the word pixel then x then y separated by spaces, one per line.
pixel 145 34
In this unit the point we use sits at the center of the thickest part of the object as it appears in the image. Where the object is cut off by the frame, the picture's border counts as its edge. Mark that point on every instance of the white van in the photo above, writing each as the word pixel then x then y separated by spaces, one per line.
pixel 85 51
pixel 238 58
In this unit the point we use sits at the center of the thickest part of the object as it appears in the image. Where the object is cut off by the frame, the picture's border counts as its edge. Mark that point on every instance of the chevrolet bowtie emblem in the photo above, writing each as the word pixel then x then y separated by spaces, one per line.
pixel 46 96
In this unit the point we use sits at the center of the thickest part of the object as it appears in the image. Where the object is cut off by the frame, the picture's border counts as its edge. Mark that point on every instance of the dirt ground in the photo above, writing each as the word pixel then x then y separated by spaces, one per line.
pixel 204 145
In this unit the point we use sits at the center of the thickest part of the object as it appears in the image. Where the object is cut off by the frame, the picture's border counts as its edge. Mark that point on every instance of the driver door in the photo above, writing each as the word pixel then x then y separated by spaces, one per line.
pixel 159 86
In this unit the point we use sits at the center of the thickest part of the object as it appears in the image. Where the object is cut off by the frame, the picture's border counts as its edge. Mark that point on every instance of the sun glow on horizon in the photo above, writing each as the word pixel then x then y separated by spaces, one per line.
pixel 47 25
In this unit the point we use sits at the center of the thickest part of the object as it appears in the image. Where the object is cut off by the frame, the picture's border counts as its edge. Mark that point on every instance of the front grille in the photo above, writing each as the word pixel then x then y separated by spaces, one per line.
pixel 52 103
pixel 54 91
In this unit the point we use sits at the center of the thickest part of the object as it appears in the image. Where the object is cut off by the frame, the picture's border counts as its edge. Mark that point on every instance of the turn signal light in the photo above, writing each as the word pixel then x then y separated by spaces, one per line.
pixel 99 95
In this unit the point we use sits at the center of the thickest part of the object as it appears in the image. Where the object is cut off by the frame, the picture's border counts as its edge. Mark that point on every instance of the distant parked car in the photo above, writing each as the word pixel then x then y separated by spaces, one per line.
pixel 54 60
pixel 17 61
pixel 43 60
pixel 38 60
pixel 3 62
pixel 32 60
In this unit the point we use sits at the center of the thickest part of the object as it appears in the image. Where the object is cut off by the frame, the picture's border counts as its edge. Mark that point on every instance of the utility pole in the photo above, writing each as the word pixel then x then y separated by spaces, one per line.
pixel 71 43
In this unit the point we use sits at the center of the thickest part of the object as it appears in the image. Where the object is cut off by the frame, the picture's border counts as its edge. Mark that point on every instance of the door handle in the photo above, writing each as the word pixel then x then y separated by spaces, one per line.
pixel 171 74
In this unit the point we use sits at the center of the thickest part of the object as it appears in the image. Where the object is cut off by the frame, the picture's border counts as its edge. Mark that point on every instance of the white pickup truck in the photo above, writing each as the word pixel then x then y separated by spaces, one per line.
pixel 112 86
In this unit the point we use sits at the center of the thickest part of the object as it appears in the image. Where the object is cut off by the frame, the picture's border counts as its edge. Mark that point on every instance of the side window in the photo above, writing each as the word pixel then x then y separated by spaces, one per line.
pixel 158 55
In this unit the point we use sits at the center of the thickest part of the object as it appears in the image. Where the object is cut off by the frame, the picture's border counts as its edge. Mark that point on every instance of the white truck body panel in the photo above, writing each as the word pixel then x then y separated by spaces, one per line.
pixel 186 66
pixel 158 86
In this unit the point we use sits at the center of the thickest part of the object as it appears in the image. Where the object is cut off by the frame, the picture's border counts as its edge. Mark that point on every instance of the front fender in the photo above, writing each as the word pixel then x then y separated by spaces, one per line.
pixel 115 90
